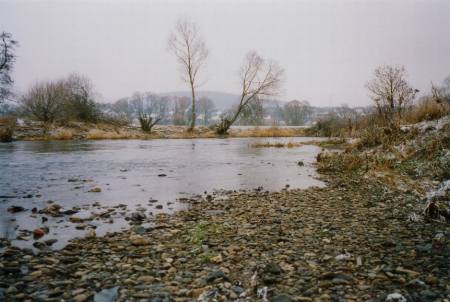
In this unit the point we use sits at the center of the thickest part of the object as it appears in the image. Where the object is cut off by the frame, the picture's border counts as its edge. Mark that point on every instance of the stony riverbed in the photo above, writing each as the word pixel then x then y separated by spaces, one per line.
pixel 349 241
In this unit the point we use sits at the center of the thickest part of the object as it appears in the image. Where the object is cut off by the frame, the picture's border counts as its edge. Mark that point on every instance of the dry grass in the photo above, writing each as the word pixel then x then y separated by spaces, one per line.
pixel 7 127
pixel 193 134
pixel 268 132
pixel 79 130
pixel 340 162
pixel 276 145
pixel 426 111
pixel 63 135
pixel 119 134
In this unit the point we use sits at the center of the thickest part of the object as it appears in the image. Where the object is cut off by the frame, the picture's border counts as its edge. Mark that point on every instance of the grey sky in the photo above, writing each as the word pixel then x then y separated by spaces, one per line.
pixel 328 48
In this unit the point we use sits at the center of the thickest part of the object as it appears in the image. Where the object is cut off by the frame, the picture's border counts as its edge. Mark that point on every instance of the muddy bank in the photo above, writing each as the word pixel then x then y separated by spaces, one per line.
pixel 350 241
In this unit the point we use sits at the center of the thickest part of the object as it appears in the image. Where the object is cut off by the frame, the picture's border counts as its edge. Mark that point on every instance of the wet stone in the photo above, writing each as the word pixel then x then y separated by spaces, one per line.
pixel 138 216
pixel 213 276
pixel 272 268
pixel 107 295
pixel 16 209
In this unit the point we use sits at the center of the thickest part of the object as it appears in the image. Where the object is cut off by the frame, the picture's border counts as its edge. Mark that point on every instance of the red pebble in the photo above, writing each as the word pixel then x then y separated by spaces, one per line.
pixel 38 233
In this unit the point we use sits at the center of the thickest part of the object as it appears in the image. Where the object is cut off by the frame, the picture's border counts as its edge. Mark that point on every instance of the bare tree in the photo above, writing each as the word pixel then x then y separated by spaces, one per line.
pixel 147 122
pixel 180 107
pixel 156 106
pixel 347 115
pixel 80 104
pixel 252 114
pixel 205 109
pixel 259 78
pixel 296 113
pixel 441 94
pixel 190 50
pixel 390 91
pixel 123 111
pixel 144 108
pixel 44 100
pixel 7 59
pixel 162 106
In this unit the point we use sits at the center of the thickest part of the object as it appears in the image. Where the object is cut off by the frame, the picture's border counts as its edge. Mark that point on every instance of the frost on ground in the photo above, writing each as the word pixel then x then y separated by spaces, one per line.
pixel 395 297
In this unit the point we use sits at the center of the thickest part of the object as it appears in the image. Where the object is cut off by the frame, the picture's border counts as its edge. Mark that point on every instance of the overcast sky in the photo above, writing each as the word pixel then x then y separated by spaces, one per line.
pixel 329 49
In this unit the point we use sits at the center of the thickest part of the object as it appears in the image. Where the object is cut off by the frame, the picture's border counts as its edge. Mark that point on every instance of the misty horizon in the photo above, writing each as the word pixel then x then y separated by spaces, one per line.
pixel 329 52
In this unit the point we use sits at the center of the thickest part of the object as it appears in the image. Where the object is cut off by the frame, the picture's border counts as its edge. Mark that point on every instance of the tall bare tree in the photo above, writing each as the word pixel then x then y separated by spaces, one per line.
pixel 259 78
pixel 390 91
pixel 188 47
pixel 7 59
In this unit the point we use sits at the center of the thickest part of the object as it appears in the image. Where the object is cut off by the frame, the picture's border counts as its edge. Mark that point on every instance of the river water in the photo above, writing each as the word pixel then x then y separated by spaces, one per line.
pixel 132 172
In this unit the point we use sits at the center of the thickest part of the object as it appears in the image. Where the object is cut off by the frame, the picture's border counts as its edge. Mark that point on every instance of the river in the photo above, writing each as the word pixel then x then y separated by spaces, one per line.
pixel 36 174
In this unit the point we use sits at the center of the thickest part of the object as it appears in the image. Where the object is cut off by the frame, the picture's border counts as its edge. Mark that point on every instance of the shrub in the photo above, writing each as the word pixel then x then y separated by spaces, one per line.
pixel 7 127
pixel 65 100
pixel 43 101
pixel 328 126
pixel 340 162
pixel 79 104
pixel 147 122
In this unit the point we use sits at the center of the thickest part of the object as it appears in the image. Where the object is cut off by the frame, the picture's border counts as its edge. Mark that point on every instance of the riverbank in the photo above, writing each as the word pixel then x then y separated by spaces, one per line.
pixel 363 237
pixel 351 240
pixel 84 131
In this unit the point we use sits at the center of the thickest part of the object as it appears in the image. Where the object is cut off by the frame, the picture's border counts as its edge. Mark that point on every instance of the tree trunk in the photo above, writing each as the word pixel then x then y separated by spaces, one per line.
pixel 225 125
pixel 194 116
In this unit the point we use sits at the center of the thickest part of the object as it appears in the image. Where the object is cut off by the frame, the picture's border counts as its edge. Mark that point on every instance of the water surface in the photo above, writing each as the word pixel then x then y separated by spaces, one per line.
pixel 132 172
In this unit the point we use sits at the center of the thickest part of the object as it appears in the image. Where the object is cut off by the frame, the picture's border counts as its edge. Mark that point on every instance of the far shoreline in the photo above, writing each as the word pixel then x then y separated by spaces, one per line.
pixel 101 131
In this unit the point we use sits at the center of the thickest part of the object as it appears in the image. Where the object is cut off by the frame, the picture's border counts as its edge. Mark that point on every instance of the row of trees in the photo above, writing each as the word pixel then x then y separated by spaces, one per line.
pixel 165 109
pixel 293 113
pixel 73 98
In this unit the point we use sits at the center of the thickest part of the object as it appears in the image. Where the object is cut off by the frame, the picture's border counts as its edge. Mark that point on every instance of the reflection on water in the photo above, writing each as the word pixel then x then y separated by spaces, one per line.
pixel 133 171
